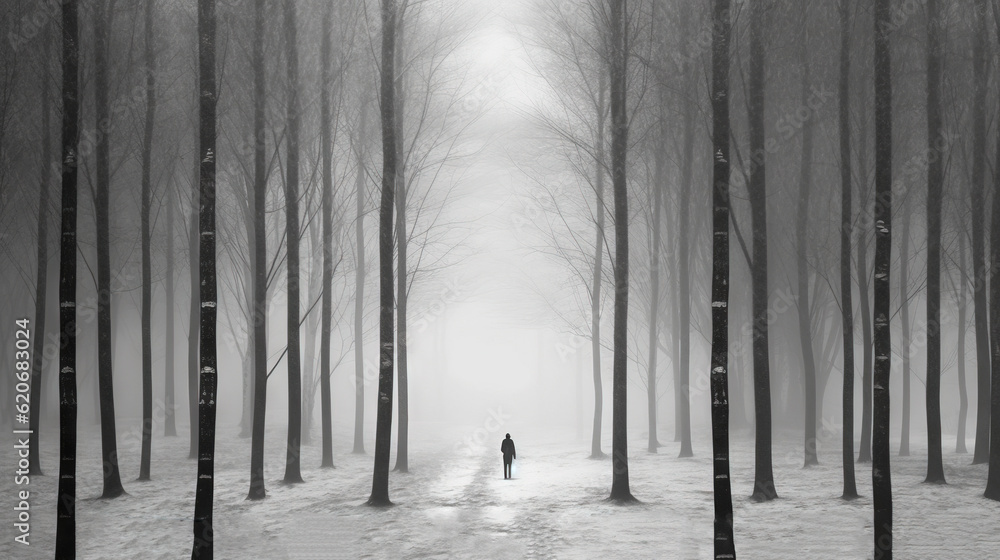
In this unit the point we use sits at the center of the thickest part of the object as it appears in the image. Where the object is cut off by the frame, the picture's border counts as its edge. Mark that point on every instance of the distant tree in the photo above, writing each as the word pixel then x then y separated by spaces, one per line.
pixel 935 185
pixel 723 525
pixel 881 474
pixel 66 494
pixel 203 529
pixel 109 445
pixel 41 276
pixel 905 323
pixel 387 97
pixel 360 143
pixel 169 404
pixel 846 237
pixel 963 324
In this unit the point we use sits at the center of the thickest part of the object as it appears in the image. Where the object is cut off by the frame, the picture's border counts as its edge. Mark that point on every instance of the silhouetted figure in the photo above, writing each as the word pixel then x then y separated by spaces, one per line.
pixel 507 448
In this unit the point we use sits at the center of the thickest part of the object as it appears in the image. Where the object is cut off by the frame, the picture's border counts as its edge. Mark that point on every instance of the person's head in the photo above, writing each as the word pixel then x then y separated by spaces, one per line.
pixel 508 436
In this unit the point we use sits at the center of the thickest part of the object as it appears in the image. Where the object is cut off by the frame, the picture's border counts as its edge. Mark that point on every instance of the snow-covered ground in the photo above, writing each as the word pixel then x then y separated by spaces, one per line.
pixel 456 504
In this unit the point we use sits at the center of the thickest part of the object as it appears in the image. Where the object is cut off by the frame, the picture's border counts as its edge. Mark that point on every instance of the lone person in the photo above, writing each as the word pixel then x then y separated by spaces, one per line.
pixel 507 448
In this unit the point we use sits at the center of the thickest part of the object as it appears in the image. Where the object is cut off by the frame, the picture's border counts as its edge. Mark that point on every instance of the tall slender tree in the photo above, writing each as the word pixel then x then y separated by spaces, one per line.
pixel 683 385
pixel 764 488
pixel 881 474
pixel 257 486
pixel 41 276
pixel 109 444
pixel 935 187
pixel 600 209
pixel 359 281
pixel 387 95
pixel 66 493
pixel 402 281
pixel 963 323
pixel 147 276
pixel 169 403
pixel 292 237
pixel 801 252
pixel 657 187
pixel 725 546
pixel 978 199
pixel 618 55
pixel 203 530
pixel 993 479
pixel 327 319
pixel 905 325
pixel 846 235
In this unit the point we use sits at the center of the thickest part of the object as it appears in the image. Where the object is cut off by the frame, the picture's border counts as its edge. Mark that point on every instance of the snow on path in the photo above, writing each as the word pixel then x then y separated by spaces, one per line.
pixel 456 504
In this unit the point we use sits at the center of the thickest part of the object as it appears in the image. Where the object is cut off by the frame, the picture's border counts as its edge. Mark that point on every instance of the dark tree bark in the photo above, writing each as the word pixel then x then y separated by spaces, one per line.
pixel 257 485
pixel 194 309
pixel 979 272
pixel 169 405
pixel 41 276
pixel 764 488
pixel 292 235
pixel 147 277
pixel 327 319
pixel 864 303
pixel 66 493
pixel 359 284
pixel 619 151
pixel 109 445
pixel 963 324
pixel 203 530
pixel 595 293
pixel 801 252
pixel 725 547
pixel 881 474
pixel 993 479
pixel 383 427
pixel 846 234
pixel 935 186
pixel 402 283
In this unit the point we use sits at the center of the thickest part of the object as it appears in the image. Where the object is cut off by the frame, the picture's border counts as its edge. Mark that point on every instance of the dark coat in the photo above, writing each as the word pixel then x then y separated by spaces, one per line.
pixel 507 448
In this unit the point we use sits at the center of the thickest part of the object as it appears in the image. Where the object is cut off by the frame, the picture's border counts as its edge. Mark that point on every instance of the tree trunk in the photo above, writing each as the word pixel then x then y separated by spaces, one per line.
pixel 170 410
pixel 846 235
pixel 359 285
pixel 619 150
pixel 881 473
pixel 109 445
pixel 402 282
pixel 327 319
pixel 292 235
pixel 979 272
pixel 904 319
pixel 684 263
pixel 313 325
pixel 66 503
pixel 259 267
pixel 595 292
pixel 935 186
pixel 203 531
pixel 723 526
pixel 963 324
pixel 864 302
pixel 764 488
pixel 801 250
pixel 654 280
pixel 383 428
pixel 41 278
pixel 993 479
pixel 147 277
